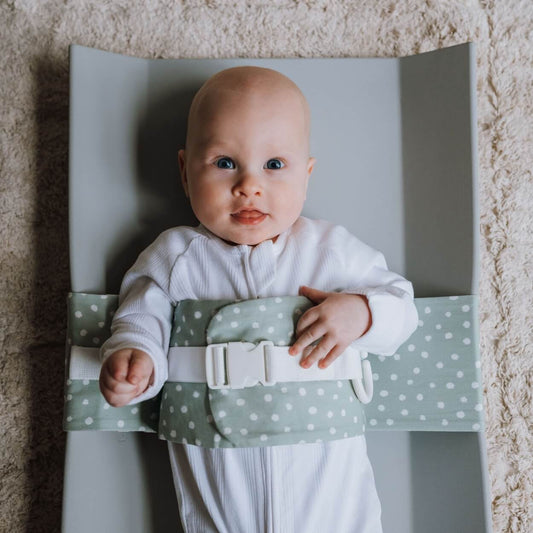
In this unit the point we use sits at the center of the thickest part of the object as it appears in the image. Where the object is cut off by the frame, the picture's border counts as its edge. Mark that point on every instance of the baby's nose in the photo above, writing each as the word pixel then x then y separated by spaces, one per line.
pixel 248 185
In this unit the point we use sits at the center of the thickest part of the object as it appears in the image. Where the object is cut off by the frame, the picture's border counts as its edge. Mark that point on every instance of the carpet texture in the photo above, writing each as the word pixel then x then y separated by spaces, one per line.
pixel 33 197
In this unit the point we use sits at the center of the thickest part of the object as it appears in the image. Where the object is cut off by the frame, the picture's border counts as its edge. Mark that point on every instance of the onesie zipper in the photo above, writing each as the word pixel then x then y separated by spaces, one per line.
pixel 271 523
pixel 248 275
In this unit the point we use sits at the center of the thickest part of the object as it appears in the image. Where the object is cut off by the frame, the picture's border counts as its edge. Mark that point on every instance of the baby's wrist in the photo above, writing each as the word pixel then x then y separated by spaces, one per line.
pixel 364 313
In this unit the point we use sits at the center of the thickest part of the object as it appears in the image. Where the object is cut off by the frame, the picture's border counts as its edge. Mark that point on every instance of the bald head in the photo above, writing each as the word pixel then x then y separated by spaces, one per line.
pixel 255 85
pixel 246 163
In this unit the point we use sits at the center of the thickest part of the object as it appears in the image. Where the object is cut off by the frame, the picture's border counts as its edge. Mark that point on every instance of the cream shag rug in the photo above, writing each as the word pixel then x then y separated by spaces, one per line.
pixel 33 198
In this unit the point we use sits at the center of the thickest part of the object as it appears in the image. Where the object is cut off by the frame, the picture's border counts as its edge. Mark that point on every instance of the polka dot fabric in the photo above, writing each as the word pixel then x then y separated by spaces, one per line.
pixel 285 413
pixel 432 383
pixel 85 408
pixel 260 416
pixel 89 323
pixel 90 316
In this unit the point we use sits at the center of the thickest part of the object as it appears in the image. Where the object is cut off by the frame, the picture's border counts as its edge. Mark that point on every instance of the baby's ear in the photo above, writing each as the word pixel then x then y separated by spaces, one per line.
pixel 183 171
pixel 310 165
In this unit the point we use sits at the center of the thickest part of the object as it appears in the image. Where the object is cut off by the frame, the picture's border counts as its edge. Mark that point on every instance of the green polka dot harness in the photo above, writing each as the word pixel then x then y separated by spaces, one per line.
pixel 431 383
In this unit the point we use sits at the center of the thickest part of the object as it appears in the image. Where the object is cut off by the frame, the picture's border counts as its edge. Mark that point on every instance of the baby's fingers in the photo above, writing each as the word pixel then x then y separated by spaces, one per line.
pixel 321 350
pixel 108 383
pixel 118 364
pixel 306 320
pixel 118 400
pixel 331 356
pixel 117 393
pixel 306 338
pixel 140 368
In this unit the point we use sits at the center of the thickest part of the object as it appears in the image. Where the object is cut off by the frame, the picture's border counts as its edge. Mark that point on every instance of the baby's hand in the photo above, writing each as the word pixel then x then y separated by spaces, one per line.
pixel 338 319
pixel 125 374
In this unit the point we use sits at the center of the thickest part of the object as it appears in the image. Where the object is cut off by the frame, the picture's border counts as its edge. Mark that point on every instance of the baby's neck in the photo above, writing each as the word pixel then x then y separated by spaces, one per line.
pixel 273 239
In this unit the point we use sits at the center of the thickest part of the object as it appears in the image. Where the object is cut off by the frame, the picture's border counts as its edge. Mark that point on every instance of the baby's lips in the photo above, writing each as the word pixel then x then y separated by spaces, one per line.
pixel 249 216
pixel 249 213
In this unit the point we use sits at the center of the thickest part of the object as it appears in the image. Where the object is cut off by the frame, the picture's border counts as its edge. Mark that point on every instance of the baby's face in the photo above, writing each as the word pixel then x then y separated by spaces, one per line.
pixel 246 165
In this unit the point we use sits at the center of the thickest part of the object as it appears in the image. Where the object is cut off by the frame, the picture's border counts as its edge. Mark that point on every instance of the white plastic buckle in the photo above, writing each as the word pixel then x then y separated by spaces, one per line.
pixel 236 365
pixel 364 385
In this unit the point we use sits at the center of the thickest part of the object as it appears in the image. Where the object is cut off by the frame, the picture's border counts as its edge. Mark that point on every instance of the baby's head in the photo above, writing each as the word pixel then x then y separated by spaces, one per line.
pixel 246 162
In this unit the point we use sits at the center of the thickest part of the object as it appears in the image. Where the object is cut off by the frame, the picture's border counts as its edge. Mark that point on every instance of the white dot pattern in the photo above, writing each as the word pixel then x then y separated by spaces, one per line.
pixel 436 377
pixel 432 382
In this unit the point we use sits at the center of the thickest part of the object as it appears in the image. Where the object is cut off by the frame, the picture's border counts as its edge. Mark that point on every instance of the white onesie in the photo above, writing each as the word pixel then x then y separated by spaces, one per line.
pixel 294 488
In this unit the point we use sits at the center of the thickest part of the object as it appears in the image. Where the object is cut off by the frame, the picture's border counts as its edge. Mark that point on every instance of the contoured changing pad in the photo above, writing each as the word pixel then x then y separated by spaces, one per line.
pixel 395 146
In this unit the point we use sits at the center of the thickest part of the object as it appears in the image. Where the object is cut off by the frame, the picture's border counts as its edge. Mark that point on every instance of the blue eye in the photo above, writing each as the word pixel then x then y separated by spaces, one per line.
pixel 225 163
pixel 274 164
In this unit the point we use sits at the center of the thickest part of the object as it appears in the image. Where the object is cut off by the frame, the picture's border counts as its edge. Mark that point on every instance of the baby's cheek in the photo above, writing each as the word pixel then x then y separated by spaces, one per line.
pixel 292 202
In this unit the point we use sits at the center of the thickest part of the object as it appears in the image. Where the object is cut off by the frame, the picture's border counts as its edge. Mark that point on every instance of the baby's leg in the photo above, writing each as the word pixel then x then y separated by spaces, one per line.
pixel 329 487
pixel 221 490
pixel 291 489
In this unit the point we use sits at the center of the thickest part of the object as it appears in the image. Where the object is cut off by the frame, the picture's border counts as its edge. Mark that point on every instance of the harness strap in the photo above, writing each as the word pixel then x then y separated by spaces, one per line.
pixel 432 383
pixel 237 365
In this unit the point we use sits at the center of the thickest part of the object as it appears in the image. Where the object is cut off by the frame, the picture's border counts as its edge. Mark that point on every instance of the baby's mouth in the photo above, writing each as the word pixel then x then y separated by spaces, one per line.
pixel 249 216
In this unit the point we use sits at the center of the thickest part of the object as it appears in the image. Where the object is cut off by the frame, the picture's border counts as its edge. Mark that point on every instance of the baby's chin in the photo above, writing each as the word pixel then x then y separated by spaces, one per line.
pixel 242 235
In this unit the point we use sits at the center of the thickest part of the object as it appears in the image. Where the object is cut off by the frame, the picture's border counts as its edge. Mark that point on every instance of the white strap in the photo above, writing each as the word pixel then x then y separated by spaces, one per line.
pixel 84 363
pixel 273 364
pixel 189 364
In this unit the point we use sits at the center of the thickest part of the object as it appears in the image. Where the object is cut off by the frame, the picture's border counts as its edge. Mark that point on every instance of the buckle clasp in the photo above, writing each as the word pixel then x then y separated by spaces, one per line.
pixel 236 365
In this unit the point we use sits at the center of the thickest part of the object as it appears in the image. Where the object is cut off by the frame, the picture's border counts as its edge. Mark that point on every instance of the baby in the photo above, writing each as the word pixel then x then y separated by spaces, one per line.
pixel 245 169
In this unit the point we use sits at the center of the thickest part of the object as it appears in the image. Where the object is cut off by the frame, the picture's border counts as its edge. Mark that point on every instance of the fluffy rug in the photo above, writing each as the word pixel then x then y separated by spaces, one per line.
pixel 33 200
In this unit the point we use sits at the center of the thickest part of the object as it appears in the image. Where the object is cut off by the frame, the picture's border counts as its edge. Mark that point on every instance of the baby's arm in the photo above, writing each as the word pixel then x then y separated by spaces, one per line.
pixel 141 326
pixel 374 313
pixel 125 375
pixel 338 319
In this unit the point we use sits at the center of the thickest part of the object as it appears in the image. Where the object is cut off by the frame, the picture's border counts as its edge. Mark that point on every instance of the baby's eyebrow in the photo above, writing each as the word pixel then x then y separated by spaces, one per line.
pixel 209 145
pixel 210 142
pixel 220 146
